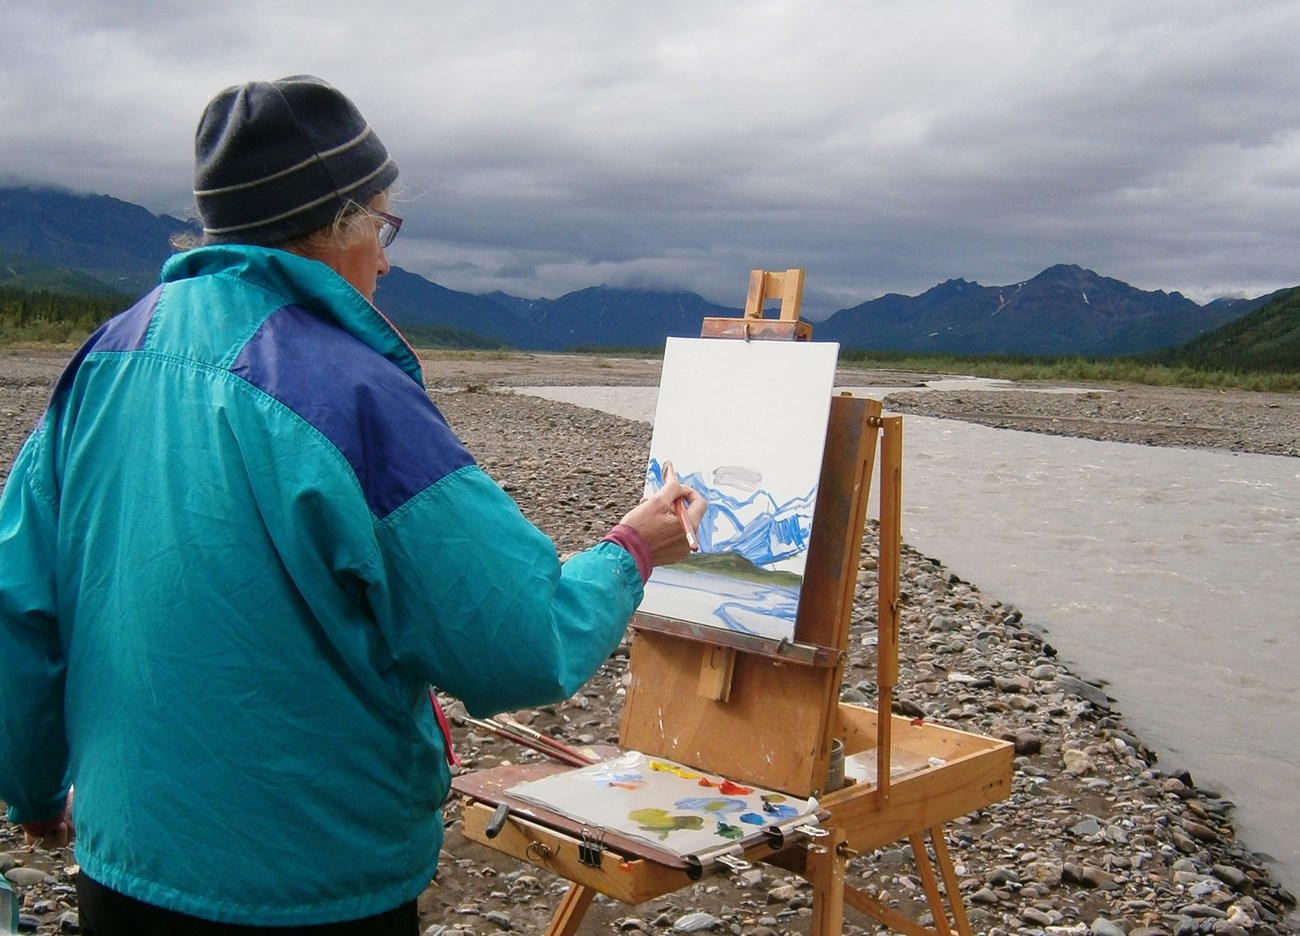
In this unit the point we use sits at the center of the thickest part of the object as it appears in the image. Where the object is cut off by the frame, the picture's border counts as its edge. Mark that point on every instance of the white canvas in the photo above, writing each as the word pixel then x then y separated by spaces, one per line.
pixel 744 423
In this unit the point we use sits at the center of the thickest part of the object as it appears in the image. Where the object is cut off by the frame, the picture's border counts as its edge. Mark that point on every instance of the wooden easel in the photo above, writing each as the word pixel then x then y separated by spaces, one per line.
pixel 765 712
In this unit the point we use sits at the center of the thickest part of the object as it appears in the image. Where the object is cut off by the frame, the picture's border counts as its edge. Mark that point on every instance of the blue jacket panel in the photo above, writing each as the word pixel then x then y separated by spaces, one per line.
pixel 233 557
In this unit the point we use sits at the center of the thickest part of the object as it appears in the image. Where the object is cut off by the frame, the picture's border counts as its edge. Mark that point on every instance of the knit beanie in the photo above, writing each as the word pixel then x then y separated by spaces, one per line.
pixel 274 160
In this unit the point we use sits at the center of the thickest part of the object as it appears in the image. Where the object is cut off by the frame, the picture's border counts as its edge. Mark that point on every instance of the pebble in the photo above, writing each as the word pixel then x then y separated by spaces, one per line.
pixel 783 894
pixel 1089 826
pixel 27 877
pixel 499 918
pixel 696 922
pixel 1104 927
pixel 1077 762
pixel 1074 686
pixel 1233 877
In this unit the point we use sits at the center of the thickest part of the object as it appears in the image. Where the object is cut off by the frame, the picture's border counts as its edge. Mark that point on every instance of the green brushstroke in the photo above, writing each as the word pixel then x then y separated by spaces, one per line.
pixel 663 822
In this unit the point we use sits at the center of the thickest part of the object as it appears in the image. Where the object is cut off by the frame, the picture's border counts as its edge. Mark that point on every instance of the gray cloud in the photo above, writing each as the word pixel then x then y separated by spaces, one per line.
pixel 885 147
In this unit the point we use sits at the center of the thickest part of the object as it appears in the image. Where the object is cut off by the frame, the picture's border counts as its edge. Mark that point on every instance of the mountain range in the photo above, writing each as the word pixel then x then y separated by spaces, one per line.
pixel 1064 310
pixel 64 241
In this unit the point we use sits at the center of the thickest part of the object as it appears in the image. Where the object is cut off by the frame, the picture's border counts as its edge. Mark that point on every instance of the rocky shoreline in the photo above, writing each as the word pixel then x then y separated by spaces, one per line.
pixel 1094 838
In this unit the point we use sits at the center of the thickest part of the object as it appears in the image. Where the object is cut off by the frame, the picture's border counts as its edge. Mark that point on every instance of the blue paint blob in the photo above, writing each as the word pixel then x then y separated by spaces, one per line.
pixel 714 804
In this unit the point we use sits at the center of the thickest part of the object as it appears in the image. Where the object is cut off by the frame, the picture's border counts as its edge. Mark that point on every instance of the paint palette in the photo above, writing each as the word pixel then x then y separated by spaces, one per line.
pixel 676 808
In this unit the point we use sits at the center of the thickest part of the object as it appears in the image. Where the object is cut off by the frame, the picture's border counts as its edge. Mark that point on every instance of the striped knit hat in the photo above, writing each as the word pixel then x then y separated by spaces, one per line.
pixel 274 160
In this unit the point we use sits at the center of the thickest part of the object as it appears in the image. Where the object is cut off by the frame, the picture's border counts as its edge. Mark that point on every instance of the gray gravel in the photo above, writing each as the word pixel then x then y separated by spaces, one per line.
pixel 1095 836
pixel 1238 420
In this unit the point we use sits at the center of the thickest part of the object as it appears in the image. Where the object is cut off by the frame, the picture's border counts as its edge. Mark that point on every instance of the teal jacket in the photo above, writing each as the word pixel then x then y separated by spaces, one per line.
pixel 234 556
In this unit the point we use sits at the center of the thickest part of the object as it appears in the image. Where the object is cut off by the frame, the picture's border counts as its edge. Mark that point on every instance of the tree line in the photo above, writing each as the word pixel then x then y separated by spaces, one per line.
pixel 44 316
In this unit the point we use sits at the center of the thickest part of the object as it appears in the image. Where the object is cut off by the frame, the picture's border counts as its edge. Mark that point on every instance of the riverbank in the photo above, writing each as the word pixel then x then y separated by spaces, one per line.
pixel 1095 834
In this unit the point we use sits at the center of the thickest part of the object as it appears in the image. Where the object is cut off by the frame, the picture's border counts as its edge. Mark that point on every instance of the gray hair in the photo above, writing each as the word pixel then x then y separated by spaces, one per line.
pixel 351 225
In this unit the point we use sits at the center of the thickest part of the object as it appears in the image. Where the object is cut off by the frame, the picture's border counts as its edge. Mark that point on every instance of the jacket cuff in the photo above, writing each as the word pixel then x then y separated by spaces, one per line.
pixel 40 829
pixel 31 825
pixel 631 540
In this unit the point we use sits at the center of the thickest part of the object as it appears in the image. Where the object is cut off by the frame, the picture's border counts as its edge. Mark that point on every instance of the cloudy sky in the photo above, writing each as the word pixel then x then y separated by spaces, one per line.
pixel 884 146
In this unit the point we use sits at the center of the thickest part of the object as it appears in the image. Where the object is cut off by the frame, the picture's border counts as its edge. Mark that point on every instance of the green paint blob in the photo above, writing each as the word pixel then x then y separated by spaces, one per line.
pixel 663 822
pixel 729 832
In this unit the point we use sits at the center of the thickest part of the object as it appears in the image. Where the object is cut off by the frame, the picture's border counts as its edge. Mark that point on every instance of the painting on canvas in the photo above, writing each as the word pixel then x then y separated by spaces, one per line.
pixel 743 423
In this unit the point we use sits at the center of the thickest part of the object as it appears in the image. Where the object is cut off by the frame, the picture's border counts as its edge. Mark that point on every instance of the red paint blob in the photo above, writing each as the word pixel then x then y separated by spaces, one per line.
pixel 733 789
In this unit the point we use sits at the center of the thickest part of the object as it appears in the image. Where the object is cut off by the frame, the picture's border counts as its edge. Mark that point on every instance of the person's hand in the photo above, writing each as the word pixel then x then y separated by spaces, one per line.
pixel 53 834
pixel 657 520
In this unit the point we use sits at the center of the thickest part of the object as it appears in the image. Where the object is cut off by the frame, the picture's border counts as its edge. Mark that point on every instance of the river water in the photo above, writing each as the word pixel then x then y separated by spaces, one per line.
pixel 1169 574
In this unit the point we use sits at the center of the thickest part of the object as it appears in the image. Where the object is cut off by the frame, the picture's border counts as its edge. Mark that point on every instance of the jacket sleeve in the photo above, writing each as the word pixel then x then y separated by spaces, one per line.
pixel 33 743
pixel 477 601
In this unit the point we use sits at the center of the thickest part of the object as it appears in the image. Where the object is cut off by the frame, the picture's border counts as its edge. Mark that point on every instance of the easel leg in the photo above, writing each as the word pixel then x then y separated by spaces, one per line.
pixel 944 860
pixel 825 870
pixel 568 915
pixel 878 911
pixel 930 884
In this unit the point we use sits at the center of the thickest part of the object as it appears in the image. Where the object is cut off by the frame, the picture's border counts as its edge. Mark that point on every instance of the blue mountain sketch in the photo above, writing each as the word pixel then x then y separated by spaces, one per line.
pixel 754 526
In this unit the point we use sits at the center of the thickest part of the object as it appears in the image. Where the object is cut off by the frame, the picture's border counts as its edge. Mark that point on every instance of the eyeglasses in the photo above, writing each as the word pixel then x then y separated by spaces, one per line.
pixel 388 229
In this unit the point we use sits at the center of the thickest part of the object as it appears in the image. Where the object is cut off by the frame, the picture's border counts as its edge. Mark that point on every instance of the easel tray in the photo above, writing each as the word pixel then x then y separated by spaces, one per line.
pixel 644 807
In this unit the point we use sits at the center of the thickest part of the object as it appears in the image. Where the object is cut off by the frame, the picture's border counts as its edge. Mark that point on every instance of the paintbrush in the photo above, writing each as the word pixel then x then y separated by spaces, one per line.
pixel 679 505
pixel 512 725
pixel 561 753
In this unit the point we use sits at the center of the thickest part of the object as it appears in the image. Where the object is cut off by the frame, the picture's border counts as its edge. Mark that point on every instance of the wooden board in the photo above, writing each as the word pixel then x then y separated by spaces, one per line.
pixel 757 329
pixel 768 732
pixel 834 552
pixel 630 880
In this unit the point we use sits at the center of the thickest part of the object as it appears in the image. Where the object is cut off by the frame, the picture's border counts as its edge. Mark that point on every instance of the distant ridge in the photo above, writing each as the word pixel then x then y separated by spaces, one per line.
pixel 1267 338
pixel 120 244
pixel 1065 310
pixel 63 241
pixel 18 271
pixel 595 317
